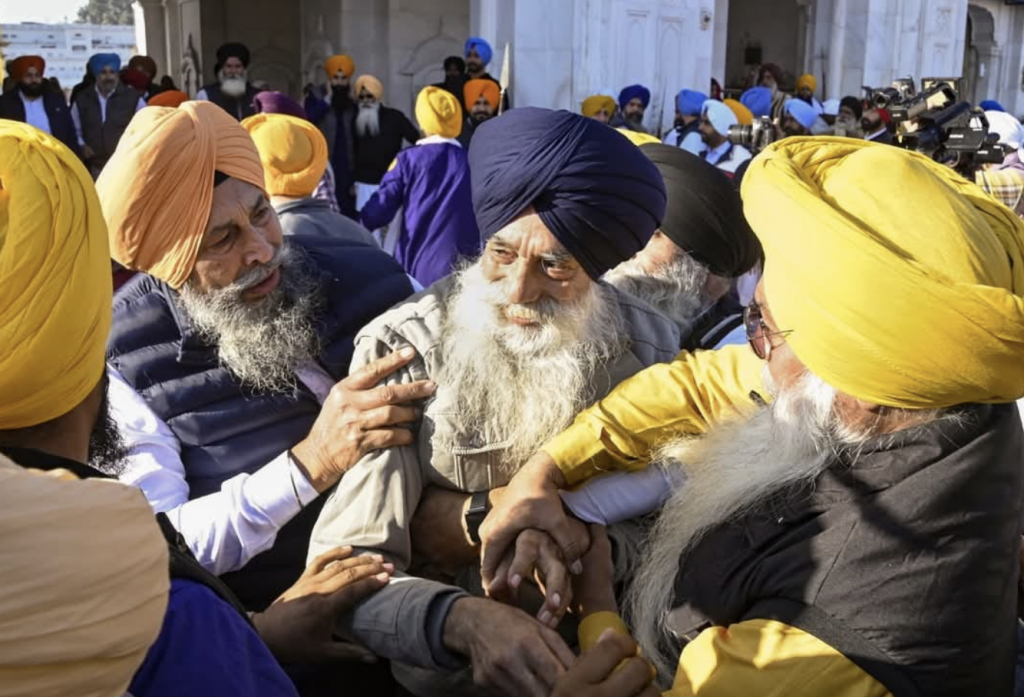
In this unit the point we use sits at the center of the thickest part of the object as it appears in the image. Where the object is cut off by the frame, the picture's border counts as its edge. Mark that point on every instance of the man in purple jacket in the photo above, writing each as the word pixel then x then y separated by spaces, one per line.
pixel 430 183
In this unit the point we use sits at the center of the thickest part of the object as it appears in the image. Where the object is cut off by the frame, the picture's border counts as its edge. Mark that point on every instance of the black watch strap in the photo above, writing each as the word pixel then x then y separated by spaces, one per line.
pixel 478 508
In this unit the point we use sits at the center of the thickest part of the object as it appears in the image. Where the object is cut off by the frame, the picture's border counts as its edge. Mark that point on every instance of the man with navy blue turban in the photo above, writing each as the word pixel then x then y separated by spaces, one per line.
pixel 685 134
pixel 101 114
pixel 633 101
pixel 517 341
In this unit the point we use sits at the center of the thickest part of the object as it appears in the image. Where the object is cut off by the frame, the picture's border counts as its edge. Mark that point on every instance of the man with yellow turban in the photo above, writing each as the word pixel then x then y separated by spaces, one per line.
pixel 600 107
pixel 379 134
pixel 225 348
pixel 333 110
pixel 33 103
pixel 480 97
pixel 860 535
pixel 84 629
pixel 294 157
pixel 430 184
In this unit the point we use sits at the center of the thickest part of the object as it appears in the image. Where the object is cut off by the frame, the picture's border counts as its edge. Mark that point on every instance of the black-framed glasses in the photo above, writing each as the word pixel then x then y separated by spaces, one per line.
pixel 758 333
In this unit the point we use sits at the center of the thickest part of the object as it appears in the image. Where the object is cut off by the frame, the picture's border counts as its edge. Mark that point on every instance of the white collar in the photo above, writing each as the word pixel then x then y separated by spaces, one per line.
pixel 436 139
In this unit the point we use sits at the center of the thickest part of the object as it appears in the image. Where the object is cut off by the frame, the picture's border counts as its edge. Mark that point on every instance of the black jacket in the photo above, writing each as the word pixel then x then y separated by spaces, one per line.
pixel 61 126
pixel 374 154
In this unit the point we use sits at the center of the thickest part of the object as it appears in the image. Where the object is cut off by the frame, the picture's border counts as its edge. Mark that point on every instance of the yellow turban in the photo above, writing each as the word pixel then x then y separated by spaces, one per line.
pixel 594 104
pixel 371 85
pixel 638 138
pixel 744 115
pixel 808 81
pixel 157 189
pixel 293 152
pixel 84 571
pixel 341 63
pixel 438 112
pixel 55 279
pixel 899 280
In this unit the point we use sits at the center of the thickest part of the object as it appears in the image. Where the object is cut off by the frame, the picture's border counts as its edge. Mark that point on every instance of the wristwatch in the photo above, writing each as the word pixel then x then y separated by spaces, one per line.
pixel 475 514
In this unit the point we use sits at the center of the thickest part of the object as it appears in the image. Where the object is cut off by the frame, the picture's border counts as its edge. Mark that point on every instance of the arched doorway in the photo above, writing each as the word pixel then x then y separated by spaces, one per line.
pixel 981 55
pixel 764 31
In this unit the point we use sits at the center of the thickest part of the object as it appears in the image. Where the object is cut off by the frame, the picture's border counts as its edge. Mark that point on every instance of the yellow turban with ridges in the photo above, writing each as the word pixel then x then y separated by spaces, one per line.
pixel 900 281
pixel 55 277
pixel 597 102
pixel 438 112
pixel 339 63
pixel 293 152
pixel 84 570
pixel 157 189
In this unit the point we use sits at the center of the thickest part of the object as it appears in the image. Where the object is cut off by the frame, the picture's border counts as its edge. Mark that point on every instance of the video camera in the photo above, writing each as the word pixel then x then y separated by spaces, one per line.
pixel 937 123
pixel 755 137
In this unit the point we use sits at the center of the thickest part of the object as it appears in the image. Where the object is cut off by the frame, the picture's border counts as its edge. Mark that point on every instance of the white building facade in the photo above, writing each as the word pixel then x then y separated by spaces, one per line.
pixel 565 50
pixel 66 47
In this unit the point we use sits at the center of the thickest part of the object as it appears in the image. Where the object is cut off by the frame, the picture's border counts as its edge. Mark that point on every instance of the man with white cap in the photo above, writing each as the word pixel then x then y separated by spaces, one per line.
pixel 715 119
pixel 1005 182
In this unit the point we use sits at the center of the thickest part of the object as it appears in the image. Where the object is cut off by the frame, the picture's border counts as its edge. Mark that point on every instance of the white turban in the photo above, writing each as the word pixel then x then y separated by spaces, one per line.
pixel 1009 130
pixel 720 116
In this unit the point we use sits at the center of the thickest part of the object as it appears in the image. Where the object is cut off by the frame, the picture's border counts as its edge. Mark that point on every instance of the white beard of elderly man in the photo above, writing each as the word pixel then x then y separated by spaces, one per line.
pixel 518 342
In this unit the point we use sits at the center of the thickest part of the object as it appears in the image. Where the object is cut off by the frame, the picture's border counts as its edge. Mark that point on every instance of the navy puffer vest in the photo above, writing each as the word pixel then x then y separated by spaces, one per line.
pixel 225 429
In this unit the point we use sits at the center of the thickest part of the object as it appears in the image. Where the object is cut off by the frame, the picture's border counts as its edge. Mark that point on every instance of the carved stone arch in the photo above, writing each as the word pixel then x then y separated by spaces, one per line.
pixel 424 64
pixel 277 68
pixel 317 52
pixel 981 27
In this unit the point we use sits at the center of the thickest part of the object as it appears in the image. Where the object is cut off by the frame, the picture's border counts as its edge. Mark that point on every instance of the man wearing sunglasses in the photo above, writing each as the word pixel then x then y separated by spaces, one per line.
pixel 860 536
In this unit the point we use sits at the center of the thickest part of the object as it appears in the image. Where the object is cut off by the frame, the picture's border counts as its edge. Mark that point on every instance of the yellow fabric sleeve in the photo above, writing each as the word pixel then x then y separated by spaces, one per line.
pixel 655 405
pixel 593 626
pixel 769 659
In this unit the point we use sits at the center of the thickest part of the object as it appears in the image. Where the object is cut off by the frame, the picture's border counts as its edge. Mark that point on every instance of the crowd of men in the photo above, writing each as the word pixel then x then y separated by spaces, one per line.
pixel 318 399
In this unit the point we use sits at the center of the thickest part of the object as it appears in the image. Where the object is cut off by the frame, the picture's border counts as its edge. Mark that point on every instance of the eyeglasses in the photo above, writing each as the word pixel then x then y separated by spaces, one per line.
pixel 758 334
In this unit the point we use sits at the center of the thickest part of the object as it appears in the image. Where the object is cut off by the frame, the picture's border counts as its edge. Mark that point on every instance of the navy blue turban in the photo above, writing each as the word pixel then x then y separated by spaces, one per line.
pixel 593 189
pixel 632 92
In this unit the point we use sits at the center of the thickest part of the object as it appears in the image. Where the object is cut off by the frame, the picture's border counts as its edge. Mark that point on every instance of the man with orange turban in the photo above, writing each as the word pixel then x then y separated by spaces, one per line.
pixel 430 184
pixel 294 156
pixel 379 134
pixel 85 628
pixel 224 349
pixel 820 545
pixel 31 102
pixel 333 110
pixel 481 101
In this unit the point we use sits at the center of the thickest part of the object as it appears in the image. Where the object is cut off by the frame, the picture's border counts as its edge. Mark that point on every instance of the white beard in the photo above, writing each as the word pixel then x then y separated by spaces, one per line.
pixel 678 289
pixel 727 472
pixel 519 386
pixel 368 120
pixel 233 87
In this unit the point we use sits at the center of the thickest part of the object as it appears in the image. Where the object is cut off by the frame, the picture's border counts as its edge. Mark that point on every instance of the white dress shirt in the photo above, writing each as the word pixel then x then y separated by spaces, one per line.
pixel 77 119
pixel 224 529
pixel 35 112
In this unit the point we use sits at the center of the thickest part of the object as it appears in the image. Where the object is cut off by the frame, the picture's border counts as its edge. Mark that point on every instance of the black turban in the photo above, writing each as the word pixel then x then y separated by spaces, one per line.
pixel 705 213
pixel 594 190
pixel 854 105
pixel 232 50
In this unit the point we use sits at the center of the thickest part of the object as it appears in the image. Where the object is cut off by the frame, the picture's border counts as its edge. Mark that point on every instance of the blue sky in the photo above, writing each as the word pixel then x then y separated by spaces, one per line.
pixel 50 11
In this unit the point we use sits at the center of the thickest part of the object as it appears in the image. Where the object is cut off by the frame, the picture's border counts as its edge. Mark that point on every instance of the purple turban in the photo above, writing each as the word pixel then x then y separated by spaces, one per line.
pixel 689 102
pixel 594 190
pixel 758 100
pixel 632 92
pixel 268 102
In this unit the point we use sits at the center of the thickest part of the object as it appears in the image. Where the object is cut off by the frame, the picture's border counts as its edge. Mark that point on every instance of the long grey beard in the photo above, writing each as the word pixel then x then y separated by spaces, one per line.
pixel 368 120
pixel 678 289
pixel 728 472
pixel 261 342
pixel 233 86
pixel 519 386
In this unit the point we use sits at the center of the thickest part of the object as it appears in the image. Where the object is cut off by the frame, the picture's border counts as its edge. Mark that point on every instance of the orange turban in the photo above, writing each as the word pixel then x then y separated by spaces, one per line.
pixel 487 88
pixel 157 189
pixel 371 85
pixel 342 63
pixel 293 151
pixel 594 104
pixel 807 81
pixel 744 115
pixel 20 65
pixel 170 98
